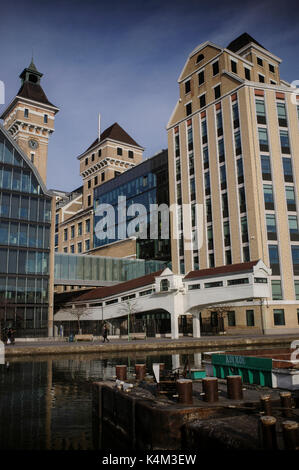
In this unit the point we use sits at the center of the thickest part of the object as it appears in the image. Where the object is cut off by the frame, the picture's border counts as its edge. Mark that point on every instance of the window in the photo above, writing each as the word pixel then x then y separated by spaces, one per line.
pixel 188 109
pixel 65 234
pixel 219 123
pixel 202 100
pixel 263 139
pixel 282 115
pixel 240 171
pixel 238 147
pixel 284 141
pixel 233 65
pixel 290 197
pixel 190 138
pixel 226 234
pixel 221 153
pixel 242 200
pixel 224 205
pixel 276 290
pixel 45 119
pixel 266 167
pixel 231 318
pixel 72 249
pixel 86 161
pixel 293 227
pixel 95 180
pixel 32 157
pixel 204 131
pixel 223 177
pixel 215 68
pixel 287 169
pixel 209 210
pixel 87 245
pixel 268 196
pixel 234 282
pixel 261 78
pixel 228 257
pixel 201 78
pixel 99 152
pixel 188 86
pixel 193 286
pixel 210 237
pixel 297 290
pixel 217 92
pixel 260 280
pixel 89 200
pixel 200 57
pixel 235 110
pixel 271 68
pixel 205 152
pixel 295 257
pixel 259 61
pixel 247 73
pixel 250 317
pixel 207 183
pixel 26 113
pixel 278 314
pixel 65 249
pixel 271 226
pixel 109 302
pixel 209 285
pixel 191 164
pixel 244 229
pixel 119 151
pixel 103 176
pixel 87 226
pixel 72 231
pixel 89 184
pixel 260 111
pixel 164 285
pixel 211 260
pixel 192 189
pixel 274 259
pixel 79 247
pixel 131 154
pixel 79 228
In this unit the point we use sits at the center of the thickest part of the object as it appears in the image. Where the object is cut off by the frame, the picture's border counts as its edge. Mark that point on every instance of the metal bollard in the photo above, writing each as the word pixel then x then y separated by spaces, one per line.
pixel 286 402
pixel 184 388
pixel 210 389
pixel 268 426
pixel 290 432
pixel 121 372
pixel 234 387
pixel 266 405
pixel 140 370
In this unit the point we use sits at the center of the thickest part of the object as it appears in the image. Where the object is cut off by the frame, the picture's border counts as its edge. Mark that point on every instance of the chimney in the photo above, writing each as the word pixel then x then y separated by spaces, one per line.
pixel 99 129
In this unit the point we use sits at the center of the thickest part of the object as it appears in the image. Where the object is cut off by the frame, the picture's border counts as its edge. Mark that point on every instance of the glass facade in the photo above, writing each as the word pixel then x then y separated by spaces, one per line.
pixel 145 184
pixel 25 217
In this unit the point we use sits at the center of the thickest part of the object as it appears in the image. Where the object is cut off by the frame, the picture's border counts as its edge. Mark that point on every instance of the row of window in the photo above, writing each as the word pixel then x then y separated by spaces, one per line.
pixel 26 208
pixel 23 290
pixel 79 230
pixel 278 317
pixel 79 247
pixel 119 151
pixel 26 115
pixel 28 235
pixel 23 262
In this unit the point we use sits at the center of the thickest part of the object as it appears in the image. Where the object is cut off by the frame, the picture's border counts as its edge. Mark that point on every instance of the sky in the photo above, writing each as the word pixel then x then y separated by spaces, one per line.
pixel 122 59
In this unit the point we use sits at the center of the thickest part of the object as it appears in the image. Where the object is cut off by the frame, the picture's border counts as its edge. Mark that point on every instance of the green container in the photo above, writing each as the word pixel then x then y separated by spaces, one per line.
pixel 196 374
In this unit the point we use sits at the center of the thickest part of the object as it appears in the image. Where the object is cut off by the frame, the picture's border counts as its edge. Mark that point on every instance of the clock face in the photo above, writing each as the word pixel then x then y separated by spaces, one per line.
pixel 33 144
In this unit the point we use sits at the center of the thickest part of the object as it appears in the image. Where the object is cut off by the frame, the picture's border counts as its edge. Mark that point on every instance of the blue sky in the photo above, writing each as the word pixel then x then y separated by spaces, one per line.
pixel 123 59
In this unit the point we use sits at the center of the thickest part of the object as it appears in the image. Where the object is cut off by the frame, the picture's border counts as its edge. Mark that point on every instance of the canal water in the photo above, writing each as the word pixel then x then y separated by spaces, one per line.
pixel 45 402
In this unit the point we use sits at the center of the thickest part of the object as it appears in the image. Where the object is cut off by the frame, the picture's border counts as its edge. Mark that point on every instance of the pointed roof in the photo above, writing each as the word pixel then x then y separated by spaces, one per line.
pixel 226 269
pixel 32 66
pixel 34 92
pixel 242 41
pixel 114 132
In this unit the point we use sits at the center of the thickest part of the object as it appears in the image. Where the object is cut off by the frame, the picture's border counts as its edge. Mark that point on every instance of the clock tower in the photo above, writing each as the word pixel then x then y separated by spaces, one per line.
pixel 30 119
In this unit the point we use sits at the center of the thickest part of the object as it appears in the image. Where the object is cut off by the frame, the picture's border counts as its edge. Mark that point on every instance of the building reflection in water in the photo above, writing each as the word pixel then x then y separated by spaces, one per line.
pixel 46 404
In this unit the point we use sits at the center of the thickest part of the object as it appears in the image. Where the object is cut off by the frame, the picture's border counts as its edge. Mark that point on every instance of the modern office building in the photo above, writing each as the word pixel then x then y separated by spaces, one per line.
pixel 146 184
pixel 25 240
pixel 233 147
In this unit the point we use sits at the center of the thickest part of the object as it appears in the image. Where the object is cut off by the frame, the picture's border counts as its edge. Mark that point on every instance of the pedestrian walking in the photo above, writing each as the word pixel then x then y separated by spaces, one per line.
pixel 105 333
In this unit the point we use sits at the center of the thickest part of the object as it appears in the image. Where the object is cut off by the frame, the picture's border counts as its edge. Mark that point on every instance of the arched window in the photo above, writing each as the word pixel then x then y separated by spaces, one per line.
pixel 164 286
pixel 200 57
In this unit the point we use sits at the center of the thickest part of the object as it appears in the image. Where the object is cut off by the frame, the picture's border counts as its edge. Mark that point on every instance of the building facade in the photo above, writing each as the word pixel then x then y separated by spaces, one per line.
pixel 111 154
pixel 25 242
pixel 146 184
pixel 233 141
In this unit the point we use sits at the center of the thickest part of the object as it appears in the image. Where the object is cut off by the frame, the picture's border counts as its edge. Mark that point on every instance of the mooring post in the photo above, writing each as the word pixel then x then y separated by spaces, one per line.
pixel 269 439
pixel 286 402
pixel 290 432
pixel 210 389
pixel 140 370
pixel 121 372
pixel 234 387
pixel 184 388
pixel 266 405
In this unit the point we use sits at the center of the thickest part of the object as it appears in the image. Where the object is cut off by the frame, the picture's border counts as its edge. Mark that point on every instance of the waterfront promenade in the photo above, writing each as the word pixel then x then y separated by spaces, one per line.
pixel 62 346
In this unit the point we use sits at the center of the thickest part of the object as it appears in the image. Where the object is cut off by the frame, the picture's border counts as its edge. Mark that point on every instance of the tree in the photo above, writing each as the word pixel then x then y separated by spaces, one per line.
pixel 221 311
pixel 78 312
pixel 129 308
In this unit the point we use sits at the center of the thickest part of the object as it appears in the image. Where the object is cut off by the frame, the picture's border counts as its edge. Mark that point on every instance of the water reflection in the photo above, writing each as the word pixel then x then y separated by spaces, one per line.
pixel 46 403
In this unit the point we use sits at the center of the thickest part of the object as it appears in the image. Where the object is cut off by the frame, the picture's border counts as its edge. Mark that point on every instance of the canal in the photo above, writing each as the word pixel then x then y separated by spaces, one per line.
pixel 45 402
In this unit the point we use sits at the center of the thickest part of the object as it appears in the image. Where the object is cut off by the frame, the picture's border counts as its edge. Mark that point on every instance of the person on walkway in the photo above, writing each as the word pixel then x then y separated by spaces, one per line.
pixel 105 333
